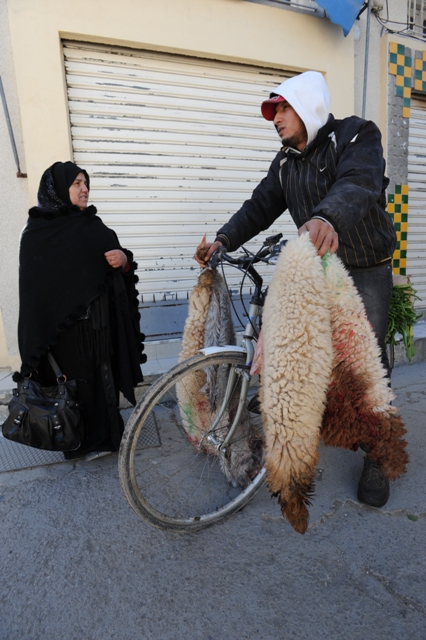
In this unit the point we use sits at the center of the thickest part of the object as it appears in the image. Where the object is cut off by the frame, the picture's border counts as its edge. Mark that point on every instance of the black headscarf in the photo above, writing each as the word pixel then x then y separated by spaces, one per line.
pixel 62 267
pixel 53 192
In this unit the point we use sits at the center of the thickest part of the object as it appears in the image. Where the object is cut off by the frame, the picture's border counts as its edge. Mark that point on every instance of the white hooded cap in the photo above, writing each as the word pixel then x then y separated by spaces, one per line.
pixel 309 96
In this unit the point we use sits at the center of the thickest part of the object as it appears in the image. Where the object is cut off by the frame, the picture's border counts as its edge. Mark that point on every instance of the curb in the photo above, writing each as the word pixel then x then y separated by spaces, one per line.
pixel 400 359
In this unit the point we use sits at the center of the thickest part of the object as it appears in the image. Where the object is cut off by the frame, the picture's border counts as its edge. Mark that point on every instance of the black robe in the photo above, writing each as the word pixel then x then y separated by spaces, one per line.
pixel 86 312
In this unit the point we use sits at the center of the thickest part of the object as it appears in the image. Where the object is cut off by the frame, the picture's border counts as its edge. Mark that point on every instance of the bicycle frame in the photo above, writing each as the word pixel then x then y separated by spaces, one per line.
pixel 269 248
pixel 236 372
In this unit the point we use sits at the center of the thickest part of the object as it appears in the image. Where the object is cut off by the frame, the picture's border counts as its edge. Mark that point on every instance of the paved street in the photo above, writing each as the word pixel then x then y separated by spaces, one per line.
pixel 77 564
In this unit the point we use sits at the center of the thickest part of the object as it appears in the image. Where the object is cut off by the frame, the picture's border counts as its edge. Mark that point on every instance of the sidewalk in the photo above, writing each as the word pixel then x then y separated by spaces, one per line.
pixel 14 456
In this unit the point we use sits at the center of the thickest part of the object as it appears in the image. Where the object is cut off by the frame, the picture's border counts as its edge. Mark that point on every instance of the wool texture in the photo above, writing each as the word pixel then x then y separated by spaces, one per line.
pixel 208 323
pixel 195 417
pixel 200 393
pixel 322 377
pixel 298 359
pixel 359 397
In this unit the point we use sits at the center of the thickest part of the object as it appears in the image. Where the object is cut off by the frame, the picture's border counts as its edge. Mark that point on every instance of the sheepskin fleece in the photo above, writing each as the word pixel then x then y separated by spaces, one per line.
pixel 359 396
pixel 200 394
pixel 322 377
pixel 298 359
pixel 196 418
pixel 199 301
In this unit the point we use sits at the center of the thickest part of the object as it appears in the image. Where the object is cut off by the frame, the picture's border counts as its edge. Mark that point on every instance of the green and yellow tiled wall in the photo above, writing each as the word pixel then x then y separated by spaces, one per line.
pixel 400 65
pixel 398 209
pixel 420 72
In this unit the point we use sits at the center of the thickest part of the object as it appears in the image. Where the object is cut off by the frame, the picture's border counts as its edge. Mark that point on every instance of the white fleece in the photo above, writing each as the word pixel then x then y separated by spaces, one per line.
pixel 309 96
pixel 297 366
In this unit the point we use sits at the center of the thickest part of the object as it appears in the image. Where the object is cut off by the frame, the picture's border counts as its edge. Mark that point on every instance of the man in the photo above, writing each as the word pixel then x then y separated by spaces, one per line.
pixel 330 175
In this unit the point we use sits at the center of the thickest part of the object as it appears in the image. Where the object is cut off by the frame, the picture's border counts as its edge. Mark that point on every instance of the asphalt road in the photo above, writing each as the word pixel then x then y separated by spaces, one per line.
pixel 77 564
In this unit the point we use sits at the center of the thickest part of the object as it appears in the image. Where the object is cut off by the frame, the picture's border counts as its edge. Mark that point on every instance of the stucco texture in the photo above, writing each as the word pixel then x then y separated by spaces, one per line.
pixel 15 202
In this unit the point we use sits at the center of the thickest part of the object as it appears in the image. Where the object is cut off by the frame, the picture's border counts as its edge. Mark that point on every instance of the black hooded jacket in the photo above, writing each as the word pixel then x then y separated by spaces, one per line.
pixel 338 177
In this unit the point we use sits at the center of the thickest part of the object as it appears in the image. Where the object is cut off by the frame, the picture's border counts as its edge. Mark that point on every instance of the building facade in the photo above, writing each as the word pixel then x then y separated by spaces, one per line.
pixel 160 104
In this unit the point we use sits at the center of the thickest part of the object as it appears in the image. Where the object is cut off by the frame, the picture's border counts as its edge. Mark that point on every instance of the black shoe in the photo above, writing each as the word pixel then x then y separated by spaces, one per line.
pixel 373 486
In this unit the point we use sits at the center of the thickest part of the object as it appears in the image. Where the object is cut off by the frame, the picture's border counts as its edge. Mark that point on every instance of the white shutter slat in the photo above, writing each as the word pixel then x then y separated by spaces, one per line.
pixel 132 163
pixel 173 145
pixel 238 78
pixel 416 238
pixel 137 140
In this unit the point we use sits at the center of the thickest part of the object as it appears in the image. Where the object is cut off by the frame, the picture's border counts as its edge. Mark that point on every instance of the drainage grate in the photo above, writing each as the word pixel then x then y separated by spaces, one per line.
pixel 149 436
pixel 14 456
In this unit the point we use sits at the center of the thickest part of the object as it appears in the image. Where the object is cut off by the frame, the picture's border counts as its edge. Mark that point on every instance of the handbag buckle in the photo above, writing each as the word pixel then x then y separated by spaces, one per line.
pixel 18 418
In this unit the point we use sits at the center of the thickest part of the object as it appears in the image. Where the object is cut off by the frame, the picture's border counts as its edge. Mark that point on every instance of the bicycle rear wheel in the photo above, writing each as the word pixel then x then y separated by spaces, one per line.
pixel 170 474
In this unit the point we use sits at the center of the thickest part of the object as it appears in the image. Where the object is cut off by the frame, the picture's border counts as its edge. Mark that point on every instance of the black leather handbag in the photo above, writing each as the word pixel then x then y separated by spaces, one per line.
pixel 47 418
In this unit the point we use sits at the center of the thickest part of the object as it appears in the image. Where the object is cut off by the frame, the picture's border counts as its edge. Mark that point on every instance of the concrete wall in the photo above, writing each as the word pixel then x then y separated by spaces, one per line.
pixel 380 89
pixel 373 103
pixel 15 201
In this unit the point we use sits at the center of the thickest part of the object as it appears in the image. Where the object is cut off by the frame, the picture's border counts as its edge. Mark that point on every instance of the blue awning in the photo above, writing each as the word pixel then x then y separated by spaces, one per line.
pixel 343 12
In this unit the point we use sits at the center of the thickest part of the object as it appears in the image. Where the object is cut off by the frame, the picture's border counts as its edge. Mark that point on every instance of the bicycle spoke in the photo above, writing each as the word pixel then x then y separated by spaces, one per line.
pixel 177 477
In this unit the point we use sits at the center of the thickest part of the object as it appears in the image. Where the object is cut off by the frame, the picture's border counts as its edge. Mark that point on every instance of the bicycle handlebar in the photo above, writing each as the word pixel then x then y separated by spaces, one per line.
pixel 270 248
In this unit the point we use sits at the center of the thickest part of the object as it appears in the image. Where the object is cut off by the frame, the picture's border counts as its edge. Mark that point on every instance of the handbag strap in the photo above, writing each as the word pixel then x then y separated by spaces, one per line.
pixel 55 367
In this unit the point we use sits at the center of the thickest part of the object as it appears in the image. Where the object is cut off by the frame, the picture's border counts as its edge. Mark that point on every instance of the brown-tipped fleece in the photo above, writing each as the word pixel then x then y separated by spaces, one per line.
pixel 322 378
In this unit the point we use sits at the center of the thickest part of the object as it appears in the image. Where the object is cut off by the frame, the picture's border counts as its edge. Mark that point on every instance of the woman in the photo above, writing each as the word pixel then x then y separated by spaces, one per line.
pixel 78 299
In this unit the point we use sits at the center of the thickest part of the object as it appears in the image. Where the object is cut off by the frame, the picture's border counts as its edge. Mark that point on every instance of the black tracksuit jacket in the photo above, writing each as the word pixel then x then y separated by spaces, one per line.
pixel 339 177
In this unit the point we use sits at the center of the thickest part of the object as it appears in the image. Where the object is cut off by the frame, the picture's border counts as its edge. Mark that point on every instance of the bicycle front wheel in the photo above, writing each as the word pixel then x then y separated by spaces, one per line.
pixel 170 472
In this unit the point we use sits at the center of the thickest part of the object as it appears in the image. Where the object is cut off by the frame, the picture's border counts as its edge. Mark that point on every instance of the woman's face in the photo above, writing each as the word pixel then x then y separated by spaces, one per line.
pixel 79 193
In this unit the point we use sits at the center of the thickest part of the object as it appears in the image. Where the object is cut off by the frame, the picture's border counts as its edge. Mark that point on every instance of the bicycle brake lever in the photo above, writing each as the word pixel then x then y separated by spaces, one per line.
pixel 270 241
pixel 276 252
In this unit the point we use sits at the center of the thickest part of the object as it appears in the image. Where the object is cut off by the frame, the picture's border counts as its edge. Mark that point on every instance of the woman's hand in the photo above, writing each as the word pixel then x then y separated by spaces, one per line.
pixel 116 258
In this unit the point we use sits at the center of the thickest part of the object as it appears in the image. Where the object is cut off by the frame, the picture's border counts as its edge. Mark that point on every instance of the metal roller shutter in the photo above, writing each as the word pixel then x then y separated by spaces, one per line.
pixel 173 145
pixel 416 237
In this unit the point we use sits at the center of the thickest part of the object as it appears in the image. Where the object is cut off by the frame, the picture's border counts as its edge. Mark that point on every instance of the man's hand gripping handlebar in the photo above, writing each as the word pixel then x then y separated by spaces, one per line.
pixel 205 250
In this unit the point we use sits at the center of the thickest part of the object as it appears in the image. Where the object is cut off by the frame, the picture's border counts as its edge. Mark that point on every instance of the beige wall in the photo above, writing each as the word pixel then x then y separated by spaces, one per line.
pixel 15 204
pixel 231 30
pixel 226 29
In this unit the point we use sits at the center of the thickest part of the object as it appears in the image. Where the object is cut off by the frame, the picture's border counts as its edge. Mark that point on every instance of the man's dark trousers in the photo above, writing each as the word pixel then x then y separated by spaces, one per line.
pixel 374 285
